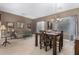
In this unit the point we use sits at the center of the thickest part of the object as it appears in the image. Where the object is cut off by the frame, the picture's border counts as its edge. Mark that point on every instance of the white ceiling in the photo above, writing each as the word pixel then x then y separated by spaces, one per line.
pixel 36 10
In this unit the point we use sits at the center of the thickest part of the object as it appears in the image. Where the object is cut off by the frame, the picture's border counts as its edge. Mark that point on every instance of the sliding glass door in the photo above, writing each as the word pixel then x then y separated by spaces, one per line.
pixel 40 26
pixel 68 25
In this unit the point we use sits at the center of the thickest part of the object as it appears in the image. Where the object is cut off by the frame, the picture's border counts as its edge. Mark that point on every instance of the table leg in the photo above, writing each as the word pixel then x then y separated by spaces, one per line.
pixel 54 46
pixel 61 42
pixel 50 43
pixel 36 39
pixel 60 45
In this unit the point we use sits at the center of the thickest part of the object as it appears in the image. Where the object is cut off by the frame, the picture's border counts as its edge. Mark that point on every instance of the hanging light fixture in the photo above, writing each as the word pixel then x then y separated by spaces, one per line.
pixel 59 19
pixel 3 28
pixel 59 6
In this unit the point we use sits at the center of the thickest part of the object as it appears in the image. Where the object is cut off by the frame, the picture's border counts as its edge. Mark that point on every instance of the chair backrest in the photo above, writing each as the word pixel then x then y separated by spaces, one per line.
pixel 42 35
pixel 62 35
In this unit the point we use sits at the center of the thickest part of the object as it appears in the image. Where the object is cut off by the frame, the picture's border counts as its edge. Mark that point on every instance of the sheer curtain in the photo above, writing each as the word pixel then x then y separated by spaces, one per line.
pixel 0 29
pixel 68 26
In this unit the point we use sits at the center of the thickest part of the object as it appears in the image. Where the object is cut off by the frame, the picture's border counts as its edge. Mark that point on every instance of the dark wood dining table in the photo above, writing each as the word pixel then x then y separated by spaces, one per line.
pixel 51 34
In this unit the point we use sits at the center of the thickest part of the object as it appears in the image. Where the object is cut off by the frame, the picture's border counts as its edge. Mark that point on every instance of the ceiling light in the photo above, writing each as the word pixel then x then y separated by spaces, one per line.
pixel 59 19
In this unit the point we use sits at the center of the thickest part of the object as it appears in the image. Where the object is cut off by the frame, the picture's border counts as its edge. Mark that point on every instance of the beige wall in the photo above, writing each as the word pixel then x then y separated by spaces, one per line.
pixel 14 18
pixel 62 14
pixel 7 17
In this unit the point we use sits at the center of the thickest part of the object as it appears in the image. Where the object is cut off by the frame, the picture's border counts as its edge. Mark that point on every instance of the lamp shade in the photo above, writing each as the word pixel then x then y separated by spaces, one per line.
pixel 3 27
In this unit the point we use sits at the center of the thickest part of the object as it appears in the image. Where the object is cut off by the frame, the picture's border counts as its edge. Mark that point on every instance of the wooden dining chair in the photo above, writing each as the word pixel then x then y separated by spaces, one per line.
pixel 44 40
pixel 48 42
pixel 59 41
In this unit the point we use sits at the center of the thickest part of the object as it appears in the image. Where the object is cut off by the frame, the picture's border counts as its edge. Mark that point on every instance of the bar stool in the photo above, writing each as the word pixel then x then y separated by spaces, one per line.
pixel 5 42
pixel 44 40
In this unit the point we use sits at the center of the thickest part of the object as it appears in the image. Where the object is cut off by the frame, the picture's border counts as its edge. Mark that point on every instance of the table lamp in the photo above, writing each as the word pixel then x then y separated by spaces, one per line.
pixel 2 29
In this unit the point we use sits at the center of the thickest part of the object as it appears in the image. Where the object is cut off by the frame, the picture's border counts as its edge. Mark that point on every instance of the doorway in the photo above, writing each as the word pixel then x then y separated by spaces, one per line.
pixel 40 26
pixel 69 26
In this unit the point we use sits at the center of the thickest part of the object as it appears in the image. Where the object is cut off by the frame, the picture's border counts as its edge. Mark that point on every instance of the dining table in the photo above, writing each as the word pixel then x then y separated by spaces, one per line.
pixel 53 34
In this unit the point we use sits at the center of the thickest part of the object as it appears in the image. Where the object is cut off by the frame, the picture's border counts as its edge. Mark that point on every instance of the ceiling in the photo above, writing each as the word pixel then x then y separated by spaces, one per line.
pixel 36 10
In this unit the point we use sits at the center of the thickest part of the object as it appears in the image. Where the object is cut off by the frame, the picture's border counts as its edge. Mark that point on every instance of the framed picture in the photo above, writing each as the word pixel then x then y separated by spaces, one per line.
pixel 29 25
pixel 19 25
pixel 10 24
pixel 22 25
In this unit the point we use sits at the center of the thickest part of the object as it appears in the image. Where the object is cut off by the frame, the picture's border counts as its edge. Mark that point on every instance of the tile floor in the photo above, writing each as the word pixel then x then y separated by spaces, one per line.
pixel 27 47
